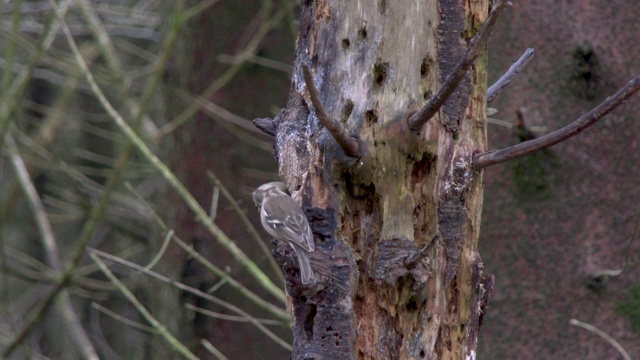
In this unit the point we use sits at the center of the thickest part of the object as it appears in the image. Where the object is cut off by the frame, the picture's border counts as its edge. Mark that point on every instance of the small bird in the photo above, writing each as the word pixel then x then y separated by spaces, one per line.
pixel 283 219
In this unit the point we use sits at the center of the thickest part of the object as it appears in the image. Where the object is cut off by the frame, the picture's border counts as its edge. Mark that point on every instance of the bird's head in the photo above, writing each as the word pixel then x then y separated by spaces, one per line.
pixel 260 192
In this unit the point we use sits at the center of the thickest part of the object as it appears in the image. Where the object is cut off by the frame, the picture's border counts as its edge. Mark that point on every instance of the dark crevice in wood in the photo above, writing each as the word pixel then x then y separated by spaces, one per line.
pixel 322 325
pixel 362 33
pixel 379 74
pixel 346 111
pixel 371 117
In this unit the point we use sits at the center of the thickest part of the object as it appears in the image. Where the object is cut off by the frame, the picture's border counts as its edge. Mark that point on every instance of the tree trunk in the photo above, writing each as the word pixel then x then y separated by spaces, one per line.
pixel 374 64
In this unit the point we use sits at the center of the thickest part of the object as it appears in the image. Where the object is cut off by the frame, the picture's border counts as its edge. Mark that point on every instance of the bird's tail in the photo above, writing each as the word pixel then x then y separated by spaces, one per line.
pixel 306 273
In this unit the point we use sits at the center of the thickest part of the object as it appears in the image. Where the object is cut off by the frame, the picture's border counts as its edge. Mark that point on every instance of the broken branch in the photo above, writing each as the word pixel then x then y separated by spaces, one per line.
pixel 515 68
pixel 525 148
pixel 266 125
pixel 413 259
pixel 348 144
pixel 459 71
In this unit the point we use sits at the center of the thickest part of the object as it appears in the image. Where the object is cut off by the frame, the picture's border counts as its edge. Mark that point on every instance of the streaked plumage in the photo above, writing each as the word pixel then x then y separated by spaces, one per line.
pixel 283 219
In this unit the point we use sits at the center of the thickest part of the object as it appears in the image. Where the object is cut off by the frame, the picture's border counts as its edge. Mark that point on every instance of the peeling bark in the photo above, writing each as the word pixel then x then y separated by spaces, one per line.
pixel 324 315
pixel 452 24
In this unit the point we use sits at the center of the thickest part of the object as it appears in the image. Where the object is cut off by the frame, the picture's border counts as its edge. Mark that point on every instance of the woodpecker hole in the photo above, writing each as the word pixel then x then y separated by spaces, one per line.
pixel 346 110
pixel 379 74
pixel 371 117
pixel 362 33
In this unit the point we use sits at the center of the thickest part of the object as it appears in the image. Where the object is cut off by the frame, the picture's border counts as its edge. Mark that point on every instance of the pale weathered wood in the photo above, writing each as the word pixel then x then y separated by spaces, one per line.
pixel 374 64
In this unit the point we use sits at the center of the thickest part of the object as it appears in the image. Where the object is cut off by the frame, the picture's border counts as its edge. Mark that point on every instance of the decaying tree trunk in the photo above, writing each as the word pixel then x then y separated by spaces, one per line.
pixel 396 224
pixel 383 140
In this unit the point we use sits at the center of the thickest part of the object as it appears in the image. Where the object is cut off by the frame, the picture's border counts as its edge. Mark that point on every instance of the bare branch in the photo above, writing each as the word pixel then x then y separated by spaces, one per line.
pixel 201 214
pixel 417 120
pixel 122 319
pixel 218 112
pixel 217 315
pixel 50 245
pixel 348 144
pixel 173 342
pixel 248 225
pixel 515 68
pixel 411 260
pixel 267 63
pixel 576 127
pixel 266 125
pixel 94 253
pixel 282 314
pixel 603 275
pixel 207 345
pixel 252 46
pixel 49 242
pixel 603 335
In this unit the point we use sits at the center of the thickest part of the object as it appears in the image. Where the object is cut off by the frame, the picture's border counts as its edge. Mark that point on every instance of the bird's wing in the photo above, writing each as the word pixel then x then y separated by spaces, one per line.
pixel 299 224
pixel 294 227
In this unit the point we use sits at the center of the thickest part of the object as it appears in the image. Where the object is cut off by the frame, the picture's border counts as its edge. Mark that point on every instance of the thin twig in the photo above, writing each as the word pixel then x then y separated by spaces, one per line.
pixel 290 18
pixel 160 328
pixel 411 260
pixel 252 46
pixel 217 286
pixel 122 319
pixel 499 122
pixel 348 144
pixel 101 36
pixel 602 334
pixel 169 176
pixel 80 337
pixel 525 148
pixel 76 331
pixel 515 68
pixel 628 250
pixel 9 103
pixel 280 313
pixel 226 317
pixel 99 209
pixel 137 107
pixel 219 112
pixel 10 50
pixel 198 9
pixel 268 63
pixel 30 262
pixel 212 349
pixel 163 248
pixel 33 199
pixel 214 269
pixel 625 264
pixel 417 120
pixel 196 292
pixel 248 225
pixel 213 209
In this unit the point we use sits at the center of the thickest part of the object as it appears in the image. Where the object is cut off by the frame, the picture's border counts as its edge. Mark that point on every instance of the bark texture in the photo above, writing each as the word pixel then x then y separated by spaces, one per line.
pixel 374 64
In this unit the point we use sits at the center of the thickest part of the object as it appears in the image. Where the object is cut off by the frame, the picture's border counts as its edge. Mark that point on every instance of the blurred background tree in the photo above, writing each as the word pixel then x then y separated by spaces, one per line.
pixel 187 76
